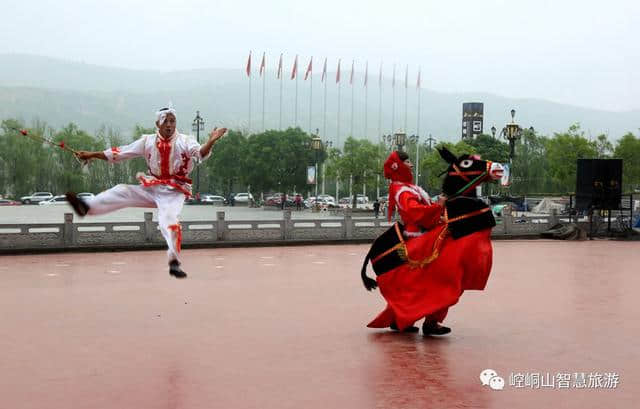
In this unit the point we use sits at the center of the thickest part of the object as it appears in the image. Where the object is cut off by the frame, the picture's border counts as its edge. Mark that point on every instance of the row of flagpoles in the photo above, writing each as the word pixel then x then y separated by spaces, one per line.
pixel 308 75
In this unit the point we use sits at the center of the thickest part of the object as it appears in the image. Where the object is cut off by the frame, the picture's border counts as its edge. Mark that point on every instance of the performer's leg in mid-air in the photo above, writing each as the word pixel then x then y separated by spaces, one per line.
pixel 169 203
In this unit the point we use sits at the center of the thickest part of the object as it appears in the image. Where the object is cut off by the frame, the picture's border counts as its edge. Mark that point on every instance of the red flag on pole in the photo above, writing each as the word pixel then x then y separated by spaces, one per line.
pixel 338 72
pixel 249 65
pixel 279 67
pixel 418 82
pixel 393 80
pixel 309 69
pixel 294 71
pixel 262 64
pixel 353 62
pixel 324 70
pixel 366 73
pixel 406 78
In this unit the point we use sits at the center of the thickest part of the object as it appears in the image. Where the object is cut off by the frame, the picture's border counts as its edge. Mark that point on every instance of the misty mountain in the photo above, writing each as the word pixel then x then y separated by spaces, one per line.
pixel 59 92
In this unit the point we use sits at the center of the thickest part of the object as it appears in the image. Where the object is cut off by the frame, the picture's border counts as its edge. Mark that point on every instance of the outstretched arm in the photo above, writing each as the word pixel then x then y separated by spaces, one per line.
pixel 115 154
pixel 213 138
pixel 87 156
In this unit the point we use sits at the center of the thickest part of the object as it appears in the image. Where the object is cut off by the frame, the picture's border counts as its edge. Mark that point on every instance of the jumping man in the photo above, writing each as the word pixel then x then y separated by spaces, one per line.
pixel 170 157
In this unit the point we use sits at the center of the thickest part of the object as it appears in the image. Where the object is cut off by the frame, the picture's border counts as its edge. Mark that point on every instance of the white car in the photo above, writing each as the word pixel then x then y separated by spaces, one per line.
pixel 213 199
pixel 86 195
pixel 56 200
pixel 243 197
pixel 37 197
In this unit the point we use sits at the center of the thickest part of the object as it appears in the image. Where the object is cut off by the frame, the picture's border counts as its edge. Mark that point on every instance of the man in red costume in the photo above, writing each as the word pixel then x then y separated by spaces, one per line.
pixel 419 216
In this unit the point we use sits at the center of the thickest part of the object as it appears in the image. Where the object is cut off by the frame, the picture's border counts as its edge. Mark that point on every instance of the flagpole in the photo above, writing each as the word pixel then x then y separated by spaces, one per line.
pixel 379 127
pixel 419 92
pixel 338 133
pixel 393 100
pixel 406 99
pixel 249 75
pixel 324 115
pixel 380 105
pixel 366 98
pixel 296 102
pixel 264 77
pixel 311 103
pixel 352 96
pixel 280 77
pixel 338 122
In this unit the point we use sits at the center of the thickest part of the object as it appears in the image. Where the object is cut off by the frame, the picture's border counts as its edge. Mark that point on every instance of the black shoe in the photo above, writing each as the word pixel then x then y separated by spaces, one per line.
pixel 175 270
pixel 433 328
pixel 394 327
pixel 78 205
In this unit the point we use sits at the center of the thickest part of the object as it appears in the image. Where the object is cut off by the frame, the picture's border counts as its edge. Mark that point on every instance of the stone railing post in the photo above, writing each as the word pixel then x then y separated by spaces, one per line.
pixel 68 233
pixel 553 219
pixel 221 226
pixel 507 222
pixel 149 228
pixel 287 232
pixel 348 223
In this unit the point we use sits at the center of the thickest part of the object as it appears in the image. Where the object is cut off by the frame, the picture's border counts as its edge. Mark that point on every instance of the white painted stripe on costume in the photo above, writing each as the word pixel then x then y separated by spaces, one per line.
pixel 416 191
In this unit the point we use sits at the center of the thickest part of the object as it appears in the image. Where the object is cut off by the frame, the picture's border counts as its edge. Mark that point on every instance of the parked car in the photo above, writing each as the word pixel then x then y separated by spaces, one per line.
pixel 243 197
pixel 56 200
pixel 213 199
pixel 37 197
pixel 86 195
pixel 7 202
pixel 327 198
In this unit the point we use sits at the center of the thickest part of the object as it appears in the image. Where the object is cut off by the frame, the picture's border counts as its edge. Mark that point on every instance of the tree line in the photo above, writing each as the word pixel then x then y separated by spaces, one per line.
pixel 277 161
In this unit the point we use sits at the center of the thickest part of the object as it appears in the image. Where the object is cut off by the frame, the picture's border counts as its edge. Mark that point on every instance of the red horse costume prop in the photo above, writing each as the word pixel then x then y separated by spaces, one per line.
pixel 424 264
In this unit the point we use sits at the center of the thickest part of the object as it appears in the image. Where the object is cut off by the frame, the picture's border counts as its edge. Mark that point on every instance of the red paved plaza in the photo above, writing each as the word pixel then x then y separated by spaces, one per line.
pixel 284 327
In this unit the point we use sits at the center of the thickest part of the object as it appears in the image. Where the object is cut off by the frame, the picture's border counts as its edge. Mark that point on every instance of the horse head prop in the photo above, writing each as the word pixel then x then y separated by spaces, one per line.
pixel 466 172
pixel 464 212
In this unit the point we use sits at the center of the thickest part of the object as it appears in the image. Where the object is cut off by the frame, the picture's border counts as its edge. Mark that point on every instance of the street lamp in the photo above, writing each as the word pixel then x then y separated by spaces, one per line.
pixel 197 126
pixel 316 145
pixel 512 132
pixel 326 146
pixel 415 139
pixel 400 138
pixel 493 131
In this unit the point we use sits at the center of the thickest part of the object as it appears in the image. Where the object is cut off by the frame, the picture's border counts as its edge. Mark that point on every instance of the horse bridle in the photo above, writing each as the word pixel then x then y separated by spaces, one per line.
pixel 471 183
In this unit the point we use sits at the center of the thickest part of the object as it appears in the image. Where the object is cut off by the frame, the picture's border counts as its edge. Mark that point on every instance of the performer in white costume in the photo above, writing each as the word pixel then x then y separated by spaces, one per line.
pixel 170 157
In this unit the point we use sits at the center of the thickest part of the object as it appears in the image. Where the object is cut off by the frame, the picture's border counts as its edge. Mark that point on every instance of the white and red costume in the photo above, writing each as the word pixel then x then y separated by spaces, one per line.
pixel 169 162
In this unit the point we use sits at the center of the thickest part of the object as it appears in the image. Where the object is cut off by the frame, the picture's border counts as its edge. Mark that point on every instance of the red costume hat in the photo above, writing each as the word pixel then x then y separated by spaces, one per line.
pixel 396 170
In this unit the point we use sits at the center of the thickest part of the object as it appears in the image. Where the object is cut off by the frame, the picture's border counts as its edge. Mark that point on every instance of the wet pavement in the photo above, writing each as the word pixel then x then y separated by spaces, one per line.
pixel 284 327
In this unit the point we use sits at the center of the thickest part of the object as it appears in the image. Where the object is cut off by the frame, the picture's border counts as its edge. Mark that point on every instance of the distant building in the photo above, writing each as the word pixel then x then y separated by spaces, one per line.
pixel 472 119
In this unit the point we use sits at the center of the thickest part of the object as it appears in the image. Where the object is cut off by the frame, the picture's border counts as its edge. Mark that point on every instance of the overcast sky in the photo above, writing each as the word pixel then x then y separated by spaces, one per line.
pixel 581 52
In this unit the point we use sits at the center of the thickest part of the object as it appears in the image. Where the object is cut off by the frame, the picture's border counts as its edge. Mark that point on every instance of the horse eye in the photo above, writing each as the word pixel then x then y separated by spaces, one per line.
pixel 466 163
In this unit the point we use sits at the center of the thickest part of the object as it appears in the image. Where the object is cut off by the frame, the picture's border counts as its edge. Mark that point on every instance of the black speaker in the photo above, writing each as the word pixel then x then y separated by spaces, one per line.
pixel 598 184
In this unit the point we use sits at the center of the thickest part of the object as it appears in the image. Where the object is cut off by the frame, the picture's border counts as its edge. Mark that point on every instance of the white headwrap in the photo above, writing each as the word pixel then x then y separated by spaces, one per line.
pixel 161 115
